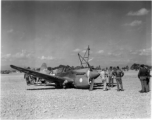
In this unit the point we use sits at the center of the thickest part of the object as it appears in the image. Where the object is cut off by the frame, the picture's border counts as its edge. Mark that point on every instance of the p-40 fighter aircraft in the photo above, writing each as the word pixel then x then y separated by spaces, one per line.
pixel 63 78
pixel 75 78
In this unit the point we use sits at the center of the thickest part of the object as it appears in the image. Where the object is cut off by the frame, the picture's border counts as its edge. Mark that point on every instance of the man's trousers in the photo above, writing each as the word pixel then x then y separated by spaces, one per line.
pixel 119 83
pixel 144 84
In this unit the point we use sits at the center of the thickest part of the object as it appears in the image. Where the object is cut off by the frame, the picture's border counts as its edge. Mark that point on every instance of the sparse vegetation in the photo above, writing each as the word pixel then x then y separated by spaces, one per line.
pixel 136 66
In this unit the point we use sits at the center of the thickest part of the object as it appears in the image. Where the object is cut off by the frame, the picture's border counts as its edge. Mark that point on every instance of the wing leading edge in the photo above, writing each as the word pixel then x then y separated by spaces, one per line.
pixel 47 77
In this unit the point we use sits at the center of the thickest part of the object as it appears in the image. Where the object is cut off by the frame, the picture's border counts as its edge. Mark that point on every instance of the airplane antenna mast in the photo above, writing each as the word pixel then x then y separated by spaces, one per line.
pixel 85 59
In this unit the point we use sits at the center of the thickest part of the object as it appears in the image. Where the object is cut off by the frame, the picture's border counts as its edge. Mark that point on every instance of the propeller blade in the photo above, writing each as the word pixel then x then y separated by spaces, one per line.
pixel 92 84
pixel 93 74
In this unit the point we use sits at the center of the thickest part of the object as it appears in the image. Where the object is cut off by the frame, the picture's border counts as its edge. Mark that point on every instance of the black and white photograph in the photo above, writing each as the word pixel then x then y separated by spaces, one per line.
pixel 75 59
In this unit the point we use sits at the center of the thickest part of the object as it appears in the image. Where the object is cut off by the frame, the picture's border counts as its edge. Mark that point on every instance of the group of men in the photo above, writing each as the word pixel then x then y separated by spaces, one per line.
pixel 31 80
pixel 144 76
pixel 108 76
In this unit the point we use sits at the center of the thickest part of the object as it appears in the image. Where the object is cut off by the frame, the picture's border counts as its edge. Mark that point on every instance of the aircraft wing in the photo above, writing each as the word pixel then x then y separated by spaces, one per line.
pixel 47 77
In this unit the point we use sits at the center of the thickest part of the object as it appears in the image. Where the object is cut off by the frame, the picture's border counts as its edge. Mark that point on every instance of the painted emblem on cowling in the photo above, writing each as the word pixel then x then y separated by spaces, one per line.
pixel 81 80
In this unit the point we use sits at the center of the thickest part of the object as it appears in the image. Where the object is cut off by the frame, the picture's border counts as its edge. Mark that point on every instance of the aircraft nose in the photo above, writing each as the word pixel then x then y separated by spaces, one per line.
pixel 94 74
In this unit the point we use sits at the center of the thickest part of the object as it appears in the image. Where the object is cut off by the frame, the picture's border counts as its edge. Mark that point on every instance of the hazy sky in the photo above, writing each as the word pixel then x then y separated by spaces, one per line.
pixel 54 32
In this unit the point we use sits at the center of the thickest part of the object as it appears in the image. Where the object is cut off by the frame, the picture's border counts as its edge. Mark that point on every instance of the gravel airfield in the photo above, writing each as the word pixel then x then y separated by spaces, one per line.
pixel 19 101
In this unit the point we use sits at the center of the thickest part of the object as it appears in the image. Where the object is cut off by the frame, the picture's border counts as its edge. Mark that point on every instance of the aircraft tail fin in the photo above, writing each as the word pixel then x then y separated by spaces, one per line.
pixel 44 69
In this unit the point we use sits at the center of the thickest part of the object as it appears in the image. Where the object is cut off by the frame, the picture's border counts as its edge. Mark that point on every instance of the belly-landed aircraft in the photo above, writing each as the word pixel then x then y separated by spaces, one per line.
pixel 63 77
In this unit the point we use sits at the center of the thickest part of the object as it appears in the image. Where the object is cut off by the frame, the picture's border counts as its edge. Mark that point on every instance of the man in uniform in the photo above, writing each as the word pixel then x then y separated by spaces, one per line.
pixel 110 77
pixel 144 75
pixel 148 79
pixel 103 76
pixel 119 74
pixel 27 77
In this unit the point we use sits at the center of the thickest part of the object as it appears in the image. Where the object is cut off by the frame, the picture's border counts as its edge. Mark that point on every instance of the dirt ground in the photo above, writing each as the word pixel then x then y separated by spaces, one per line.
pixel 19 101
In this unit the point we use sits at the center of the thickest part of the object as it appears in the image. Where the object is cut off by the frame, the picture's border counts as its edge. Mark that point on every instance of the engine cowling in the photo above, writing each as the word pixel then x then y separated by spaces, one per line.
pixel 81 81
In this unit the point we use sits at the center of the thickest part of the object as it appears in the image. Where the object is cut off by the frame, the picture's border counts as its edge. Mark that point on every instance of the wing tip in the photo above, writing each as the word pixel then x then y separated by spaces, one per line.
pixel 11 66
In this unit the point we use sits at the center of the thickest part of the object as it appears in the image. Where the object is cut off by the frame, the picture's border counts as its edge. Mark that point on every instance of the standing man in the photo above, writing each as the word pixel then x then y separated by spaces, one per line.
pixel 110 77
pixel 119 74
pixel 27 77
pixel 103 78
pixel 148 79
pixel 107 76
pixel 144 75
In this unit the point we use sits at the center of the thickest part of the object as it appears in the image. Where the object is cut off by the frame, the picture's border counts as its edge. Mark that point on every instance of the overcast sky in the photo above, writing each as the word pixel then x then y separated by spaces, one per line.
pixel 54 32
